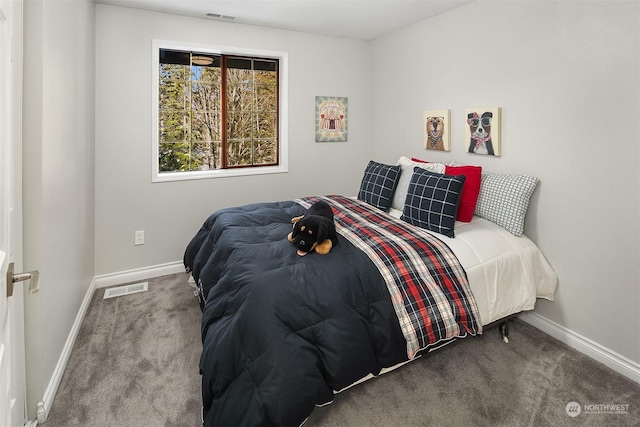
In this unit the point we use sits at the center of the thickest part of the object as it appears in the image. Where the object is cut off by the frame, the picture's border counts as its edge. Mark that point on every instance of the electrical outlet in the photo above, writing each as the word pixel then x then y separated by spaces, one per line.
pixel 139 238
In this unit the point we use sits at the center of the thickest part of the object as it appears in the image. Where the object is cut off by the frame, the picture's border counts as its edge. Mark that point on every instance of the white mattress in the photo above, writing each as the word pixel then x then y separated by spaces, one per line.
pixel 506 273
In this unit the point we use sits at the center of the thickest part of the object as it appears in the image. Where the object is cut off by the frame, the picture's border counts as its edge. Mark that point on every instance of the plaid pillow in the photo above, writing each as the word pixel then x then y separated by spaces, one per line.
pixel 504 200
pixel 432 201
pixel 378 184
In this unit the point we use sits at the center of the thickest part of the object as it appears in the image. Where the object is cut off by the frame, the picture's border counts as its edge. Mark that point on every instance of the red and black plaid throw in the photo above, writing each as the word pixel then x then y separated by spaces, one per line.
pixel 427 284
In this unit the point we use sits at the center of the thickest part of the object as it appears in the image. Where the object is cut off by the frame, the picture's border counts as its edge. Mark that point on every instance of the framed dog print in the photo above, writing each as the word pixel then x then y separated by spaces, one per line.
pixel 435 126
pixel 331 119
pixel 482 130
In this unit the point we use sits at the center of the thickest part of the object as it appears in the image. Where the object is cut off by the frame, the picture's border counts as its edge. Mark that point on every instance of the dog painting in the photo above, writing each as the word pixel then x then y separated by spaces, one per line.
pixel 436 130
pixel 483 131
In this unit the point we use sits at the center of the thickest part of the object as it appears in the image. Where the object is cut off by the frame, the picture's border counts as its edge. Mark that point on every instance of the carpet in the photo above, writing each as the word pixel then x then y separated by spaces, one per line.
pixel 135 363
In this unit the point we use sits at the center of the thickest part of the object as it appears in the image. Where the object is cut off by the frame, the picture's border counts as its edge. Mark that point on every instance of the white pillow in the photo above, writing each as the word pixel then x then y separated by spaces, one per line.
pixel 406 173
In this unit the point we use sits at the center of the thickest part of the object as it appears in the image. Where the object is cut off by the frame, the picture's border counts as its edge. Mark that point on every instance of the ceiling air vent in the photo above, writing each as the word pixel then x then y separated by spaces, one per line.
pixel 126 290
pixel 221 16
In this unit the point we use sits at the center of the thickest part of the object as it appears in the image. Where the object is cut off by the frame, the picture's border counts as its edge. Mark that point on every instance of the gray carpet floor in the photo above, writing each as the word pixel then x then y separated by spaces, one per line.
pixel 135 363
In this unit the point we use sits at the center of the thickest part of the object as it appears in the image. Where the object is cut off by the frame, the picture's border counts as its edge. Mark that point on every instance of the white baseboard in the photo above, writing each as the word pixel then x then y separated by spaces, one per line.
pixel 611 359
pixel 111 279
pixel 98 282
pixel 56 377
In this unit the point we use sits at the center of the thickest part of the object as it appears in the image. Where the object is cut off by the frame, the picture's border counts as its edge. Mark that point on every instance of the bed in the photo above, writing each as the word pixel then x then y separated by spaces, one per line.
pixel 282 333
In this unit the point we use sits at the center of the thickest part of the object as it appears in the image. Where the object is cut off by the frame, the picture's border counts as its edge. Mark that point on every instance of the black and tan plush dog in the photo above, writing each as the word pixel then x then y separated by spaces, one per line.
pixel 315 230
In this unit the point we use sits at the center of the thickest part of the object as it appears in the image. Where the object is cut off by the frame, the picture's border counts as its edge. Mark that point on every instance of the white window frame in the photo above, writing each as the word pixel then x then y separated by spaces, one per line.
pixel 283 114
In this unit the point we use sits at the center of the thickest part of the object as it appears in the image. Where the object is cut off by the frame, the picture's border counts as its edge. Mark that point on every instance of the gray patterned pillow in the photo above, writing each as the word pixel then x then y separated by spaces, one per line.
pixel 504 200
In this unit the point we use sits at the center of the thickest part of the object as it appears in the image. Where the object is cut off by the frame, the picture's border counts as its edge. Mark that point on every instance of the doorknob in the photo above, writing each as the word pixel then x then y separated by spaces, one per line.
pixel 34 276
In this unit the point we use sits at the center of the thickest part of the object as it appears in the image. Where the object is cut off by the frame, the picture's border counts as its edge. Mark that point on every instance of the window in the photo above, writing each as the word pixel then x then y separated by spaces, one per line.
pixel 217 112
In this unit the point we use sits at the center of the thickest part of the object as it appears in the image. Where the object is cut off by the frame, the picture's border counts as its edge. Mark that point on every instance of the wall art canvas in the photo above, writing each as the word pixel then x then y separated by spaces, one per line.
pixel 331 119
pixel 435 126
pixel 482 130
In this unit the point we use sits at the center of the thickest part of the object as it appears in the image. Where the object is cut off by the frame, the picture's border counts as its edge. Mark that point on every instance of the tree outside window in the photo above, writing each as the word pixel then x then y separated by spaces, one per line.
pixel 216 111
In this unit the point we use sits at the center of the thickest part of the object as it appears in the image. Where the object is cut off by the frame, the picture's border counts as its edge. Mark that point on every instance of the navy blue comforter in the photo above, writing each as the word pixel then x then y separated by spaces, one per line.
pixel 281 332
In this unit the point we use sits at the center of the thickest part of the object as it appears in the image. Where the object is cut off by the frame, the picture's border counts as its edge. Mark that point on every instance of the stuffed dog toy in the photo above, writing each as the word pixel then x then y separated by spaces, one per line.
pixel 480 129
pixel 315 230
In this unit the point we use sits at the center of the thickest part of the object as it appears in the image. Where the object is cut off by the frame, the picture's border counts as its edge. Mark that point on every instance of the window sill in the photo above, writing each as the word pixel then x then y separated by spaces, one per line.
pixel 218 173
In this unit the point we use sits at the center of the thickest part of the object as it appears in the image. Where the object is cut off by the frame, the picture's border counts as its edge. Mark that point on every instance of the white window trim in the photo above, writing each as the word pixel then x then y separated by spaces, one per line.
pixel 283 125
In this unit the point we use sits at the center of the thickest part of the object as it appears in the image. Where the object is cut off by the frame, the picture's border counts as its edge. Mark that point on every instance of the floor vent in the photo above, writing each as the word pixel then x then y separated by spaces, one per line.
pixel 126 290
pixel 215 15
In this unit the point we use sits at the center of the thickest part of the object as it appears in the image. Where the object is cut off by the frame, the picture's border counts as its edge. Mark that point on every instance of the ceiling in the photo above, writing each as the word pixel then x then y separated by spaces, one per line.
pixel 360 19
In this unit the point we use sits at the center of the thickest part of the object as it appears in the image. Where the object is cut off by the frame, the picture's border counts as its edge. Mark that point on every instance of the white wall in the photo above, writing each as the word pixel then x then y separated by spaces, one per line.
pixel 171 213
pixel 567 76
pixel 58 176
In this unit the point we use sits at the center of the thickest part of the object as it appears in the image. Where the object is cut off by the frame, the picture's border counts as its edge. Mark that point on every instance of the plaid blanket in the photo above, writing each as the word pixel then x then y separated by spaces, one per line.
pixel 428 286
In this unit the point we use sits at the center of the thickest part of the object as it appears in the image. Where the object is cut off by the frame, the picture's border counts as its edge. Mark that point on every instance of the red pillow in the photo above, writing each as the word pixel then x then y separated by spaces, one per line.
pixel 413 159
pixel 470 190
